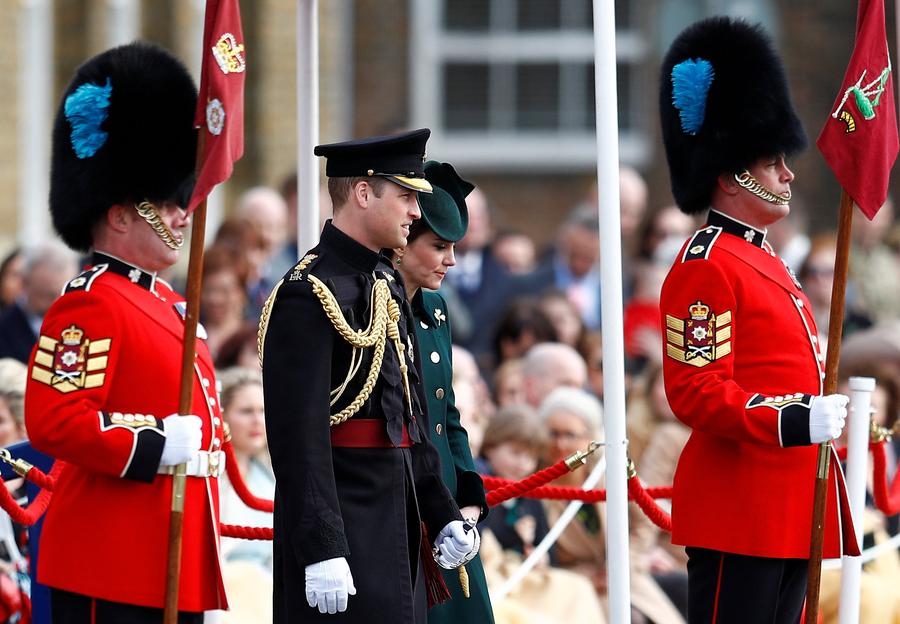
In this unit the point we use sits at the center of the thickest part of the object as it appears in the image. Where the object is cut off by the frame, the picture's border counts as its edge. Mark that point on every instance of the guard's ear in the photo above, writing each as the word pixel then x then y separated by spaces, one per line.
pixel 727 184
pixel 118 217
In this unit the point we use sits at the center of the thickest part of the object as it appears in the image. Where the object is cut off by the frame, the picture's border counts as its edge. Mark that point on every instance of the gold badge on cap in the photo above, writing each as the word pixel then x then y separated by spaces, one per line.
pixel 73 363
pixel 701 338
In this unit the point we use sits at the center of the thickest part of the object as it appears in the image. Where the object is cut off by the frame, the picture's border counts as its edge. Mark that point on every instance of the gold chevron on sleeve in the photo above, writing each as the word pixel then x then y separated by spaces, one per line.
pixel 700 338
pixel 674 323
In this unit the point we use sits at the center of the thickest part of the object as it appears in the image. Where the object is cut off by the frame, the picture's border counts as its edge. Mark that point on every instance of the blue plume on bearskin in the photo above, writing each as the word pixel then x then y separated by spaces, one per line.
pixel 690 85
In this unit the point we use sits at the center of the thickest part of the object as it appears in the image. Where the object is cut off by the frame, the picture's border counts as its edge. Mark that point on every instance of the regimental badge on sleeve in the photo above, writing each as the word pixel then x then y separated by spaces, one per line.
pixel 699 339
pixel 72 363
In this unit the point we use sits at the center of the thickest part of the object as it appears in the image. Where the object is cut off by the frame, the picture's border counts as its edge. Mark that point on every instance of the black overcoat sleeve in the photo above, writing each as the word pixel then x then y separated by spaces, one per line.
pixel 297 380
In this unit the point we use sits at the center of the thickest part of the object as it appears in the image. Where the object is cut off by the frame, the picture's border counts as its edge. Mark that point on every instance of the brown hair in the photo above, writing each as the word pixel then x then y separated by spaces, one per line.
pixel 239 235
pixel 518 424
pixel 219 259
pixel 339 188
pixel 230 351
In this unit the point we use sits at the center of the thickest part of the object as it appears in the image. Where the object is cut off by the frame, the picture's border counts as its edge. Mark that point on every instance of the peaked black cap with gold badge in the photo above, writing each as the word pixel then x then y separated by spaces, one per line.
pixel 124 133
pixel 397 157
pixel 444 210
pixel 724 103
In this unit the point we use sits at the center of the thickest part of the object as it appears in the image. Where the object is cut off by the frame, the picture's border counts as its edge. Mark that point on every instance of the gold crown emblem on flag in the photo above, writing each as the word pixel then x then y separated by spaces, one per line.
pixel 699 311
pixel 72 335
pixel 229 54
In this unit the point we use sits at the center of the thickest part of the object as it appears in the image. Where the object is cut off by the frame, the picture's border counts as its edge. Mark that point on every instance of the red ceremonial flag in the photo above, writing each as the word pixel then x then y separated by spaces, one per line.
pixel 220 106
pixel 859 140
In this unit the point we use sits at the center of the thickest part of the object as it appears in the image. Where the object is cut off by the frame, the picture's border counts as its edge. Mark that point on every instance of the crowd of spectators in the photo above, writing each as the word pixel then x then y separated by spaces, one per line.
pixel 528 372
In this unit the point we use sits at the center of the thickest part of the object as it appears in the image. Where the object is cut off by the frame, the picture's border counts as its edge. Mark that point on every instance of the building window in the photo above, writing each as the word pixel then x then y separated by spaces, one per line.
pixel 510 83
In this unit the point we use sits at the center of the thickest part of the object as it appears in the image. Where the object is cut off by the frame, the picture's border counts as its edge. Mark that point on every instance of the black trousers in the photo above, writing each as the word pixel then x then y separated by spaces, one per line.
pixel 724 588
pixel 69 608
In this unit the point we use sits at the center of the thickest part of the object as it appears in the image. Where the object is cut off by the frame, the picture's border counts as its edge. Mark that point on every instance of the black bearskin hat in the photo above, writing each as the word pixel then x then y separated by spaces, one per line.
pixel 724 103
pixel 124 133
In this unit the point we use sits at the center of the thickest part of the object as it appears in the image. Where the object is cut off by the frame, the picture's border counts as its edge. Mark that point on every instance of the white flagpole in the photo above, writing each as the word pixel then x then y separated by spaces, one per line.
pixel 123 22
pixel 35 86
pixel 861 389
pixel 611 308
pixel 307 124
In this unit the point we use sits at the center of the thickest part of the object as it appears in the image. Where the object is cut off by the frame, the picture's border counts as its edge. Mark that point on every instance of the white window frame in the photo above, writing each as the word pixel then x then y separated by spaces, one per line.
pixel 431 46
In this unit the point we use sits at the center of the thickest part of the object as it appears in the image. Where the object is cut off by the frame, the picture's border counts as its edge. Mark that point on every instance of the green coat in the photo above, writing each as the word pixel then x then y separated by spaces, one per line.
pixel 452 443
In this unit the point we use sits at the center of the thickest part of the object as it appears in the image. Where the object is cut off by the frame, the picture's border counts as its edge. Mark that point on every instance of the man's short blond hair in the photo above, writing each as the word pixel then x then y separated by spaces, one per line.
pixel 339 188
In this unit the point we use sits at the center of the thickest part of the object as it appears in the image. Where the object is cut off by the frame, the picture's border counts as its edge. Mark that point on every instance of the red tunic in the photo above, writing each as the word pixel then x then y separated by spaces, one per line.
pixel 741 364
pixel 104 374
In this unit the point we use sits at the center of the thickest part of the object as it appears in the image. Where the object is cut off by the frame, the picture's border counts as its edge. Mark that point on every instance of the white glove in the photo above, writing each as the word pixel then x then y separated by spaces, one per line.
pixel 457 544
pixel 183 437
pixel 826 417
pixel 329 585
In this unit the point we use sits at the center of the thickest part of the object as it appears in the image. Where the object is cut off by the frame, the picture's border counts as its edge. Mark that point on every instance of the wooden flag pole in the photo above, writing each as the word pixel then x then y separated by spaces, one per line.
pixel 835 329
pixel 185 397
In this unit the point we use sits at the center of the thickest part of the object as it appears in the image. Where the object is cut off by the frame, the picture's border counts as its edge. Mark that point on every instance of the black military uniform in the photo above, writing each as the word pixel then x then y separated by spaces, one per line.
pixel 360 489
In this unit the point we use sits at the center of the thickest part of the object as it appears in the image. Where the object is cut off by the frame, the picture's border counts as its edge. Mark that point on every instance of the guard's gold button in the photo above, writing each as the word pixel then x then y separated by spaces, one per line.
pixel 439 393
pixel 438 428
pixel 435 357
pixel 217 443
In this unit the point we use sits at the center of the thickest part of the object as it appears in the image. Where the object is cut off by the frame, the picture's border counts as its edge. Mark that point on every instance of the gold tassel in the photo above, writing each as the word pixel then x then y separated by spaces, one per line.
pixel 464 580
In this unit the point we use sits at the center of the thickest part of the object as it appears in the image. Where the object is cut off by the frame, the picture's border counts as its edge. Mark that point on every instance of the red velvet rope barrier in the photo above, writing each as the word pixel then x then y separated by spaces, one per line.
pixel 887 499
pixel 556 492
pixel 246 532
pixel 653 511
pixel 41 479
pixel 515 489
pixel 29 515
pixel 237 482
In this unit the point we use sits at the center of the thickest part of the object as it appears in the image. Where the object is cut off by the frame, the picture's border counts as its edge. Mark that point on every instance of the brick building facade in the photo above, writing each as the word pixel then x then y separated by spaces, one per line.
pixel 369 57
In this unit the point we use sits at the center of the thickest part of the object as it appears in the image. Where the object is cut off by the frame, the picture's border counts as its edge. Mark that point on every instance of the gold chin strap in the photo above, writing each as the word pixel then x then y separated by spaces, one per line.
pixel 151 215
pixel 746 180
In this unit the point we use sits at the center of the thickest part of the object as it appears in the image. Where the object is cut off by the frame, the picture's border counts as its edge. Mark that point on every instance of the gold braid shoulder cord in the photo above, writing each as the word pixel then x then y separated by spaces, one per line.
pixel 384 309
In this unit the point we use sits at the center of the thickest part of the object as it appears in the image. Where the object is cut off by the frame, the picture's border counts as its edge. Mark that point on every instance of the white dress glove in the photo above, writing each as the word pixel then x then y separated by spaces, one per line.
pixel 456 544
pixel 827 415
pixel 183 437
pixel 329 585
